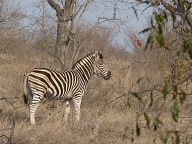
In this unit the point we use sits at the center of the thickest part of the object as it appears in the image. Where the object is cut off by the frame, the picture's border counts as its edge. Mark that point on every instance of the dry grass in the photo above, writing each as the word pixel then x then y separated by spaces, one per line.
pixel 103 121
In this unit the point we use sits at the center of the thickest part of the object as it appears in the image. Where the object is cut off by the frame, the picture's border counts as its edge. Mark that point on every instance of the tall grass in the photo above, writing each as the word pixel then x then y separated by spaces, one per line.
pixel 109 111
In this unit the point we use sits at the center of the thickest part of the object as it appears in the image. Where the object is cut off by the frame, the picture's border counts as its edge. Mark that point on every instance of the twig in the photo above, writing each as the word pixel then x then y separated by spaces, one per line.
pixel 11 135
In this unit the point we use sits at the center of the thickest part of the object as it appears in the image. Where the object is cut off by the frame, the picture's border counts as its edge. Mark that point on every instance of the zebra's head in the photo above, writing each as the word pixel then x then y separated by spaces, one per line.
pixel 99 67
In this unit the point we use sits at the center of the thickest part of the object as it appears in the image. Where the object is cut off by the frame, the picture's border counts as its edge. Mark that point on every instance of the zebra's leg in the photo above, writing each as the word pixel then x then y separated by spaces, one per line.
pixel 32 110
pixel 67 110
pixel 34 103
pixel 77 104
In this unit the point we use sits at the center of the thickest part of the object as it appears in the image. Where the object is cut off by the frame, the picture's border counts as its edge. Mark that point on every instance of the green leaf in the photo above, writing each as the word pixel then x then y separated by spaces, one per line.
pixel 137 96
pixel 177 140
pixel 158 122
pixel 160 39
pixel 165 16
pixel 152 22
pixel 161 19
pixel 156 16
pixel 182 97
pixel 128 103
pixel 175 112
pixel 165 91
pixel 151 98
pixel 164 139
pixel 145 30
pixel 173 17
pixel 149 42
pixel 160 30
pixel 139 80
pixel 147 119
pixel 155 126
pixel 138 130
pixel 175 91
pixel 132 136
pixel 186 45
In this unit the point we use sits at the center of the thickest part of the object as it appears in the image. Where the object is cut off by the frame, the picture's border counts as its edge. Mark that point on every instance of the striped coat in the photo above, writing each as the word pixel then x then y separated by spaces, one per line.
pixel 69 85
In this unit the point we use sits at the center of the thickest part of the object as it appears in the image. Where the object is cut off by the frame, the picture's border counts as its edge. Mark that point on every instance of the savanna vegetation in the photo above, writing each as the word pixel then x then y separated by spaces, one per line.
pixel 146 101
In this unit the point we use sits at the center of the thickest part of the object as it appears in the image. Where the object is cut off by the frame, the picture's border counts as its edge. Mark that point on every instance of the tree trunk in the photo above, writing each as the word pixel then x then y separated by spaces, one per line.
pixel 66 50
pixel 61 43
pixel 64 32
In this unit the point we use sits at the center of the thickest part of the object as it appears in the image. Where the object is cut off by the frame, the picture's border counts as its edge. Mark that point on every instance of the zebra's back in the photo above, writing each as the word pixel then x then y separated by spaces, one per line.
pixel 52 83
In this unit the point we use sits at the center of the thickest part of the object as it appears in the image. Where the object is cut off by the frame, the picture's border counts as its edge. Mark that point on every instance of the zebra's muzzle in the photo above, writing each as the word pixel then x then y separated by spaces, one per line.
pixel 108 75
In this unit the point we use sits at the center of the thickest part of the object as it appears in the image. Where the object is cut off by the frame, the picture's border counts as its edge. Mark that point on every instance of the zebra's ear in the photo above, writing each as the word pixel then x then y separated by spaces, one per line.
pixel 96 54
pixel 100 55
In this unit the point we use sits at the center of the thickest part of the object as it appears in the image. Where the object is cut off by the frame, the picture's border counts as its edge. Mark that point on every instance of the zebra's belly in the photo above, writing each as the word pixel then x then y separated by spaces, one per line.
pixel 65 96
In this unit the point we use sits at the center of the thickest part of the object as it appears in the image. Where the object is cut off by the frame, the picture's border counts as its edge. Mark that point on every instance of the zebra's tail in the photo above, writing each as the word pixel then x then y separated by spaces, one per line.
pixel 25 93
pixel 25 99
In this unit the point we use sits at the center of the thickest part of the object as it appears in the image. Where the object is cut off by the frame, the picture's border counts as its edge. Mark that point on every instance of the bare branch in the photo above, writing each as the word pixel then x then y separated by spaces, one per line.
pixel 81 14
pixel 105 19
pixel 179 9
pixel 11 135
pixel 55 6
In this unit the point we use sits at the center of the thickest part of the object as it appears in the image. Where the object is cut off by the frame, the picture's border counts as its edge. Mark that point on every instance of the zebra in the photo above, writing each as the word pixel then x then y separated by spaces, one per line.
pixel 69 85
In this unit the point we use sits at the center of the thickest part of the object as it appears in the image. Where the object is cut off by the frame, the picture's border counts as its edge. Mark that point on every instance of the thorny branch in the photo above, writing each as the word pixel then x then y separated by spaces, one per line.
pixel 155 88
pixel 177 9
pixel 81 14
pixel 181 9
pixel 10 138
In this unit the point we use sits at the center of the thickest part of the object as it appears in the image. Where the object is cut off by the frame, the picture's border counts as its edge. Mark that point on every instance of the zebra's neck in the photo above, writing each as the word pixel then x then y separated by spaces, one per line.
pixel 84 67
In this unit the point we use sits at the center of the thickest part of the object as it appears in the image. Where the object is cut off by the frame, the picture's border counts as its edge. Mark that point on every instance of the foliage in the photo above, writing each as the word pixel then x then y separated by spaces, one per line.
pixel 179 13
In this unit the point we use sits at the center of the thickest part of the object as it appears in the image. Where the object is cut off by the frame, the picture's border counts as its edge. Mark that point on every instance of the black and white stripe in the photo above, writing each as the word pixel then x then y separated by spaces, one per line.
pixel 71 84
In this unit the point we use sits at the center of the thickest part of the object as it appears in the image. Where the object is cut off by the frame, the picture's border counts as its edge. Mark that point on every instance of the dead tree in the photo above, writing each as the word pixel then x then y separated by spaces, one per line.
pixel 69 13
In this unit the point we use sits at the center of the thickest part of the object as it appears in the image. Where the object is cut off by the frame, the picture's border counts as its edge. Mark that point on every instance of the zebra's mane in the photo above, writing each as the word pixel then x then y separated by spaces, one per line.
pixel 81 59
